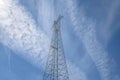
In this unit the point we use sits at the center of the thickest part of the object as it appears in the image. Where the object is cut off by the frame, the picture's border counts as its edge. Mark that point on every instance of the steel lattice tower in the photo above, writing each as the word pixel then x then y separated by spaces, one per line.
pixel 56 68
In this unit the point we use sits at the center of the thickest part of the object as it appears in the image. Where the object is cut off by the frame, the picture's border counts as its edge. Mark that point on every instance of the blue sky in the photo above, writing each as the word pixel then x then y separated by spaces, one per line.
pixel 90 31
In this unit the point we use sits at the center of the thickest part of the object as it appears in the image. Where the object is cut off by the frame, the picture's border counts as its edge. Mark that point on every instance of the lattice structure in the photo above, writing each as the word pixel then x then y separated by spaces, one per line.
pixel 56 68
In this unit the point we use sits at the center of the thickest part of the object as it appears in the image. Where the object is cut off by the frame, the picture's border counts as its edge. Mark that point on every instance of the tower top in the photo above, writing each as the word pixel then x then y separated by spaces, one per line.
pixel 58 20
pixel 56 24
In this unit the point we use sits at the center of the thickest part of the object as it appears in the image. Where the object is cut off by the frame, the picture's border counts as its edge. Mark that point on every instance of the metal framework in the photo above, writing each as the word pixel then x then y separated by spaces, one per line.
pixel 56 68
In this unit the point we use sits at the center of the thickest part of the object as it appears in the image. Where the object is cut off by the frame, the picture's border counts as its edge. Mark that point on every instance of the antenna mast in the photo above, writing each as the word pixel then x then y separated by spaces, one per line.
pixel 56 67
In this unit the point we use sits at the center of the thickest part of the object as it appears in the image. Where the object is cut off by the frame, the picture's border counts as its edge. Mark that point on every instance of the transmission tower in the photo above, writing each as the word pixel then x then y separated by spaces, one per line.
pixel 56 68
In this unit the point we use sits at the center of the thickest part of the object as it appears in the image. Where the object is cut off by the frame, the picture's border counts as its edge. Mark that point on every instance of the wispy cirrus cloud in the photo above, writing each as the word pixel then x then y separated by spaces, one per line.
pixel 75 72
pixel 18 31
pixel 85 30
pixel 46 14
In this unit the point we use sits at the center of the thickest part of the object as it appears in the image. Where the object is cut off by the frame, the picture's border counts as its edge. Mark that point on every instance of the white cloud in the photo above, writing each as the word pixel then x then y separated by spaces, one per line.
pixel 19 32
pixel 85 30
pixel 46 14
pixel 75 73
